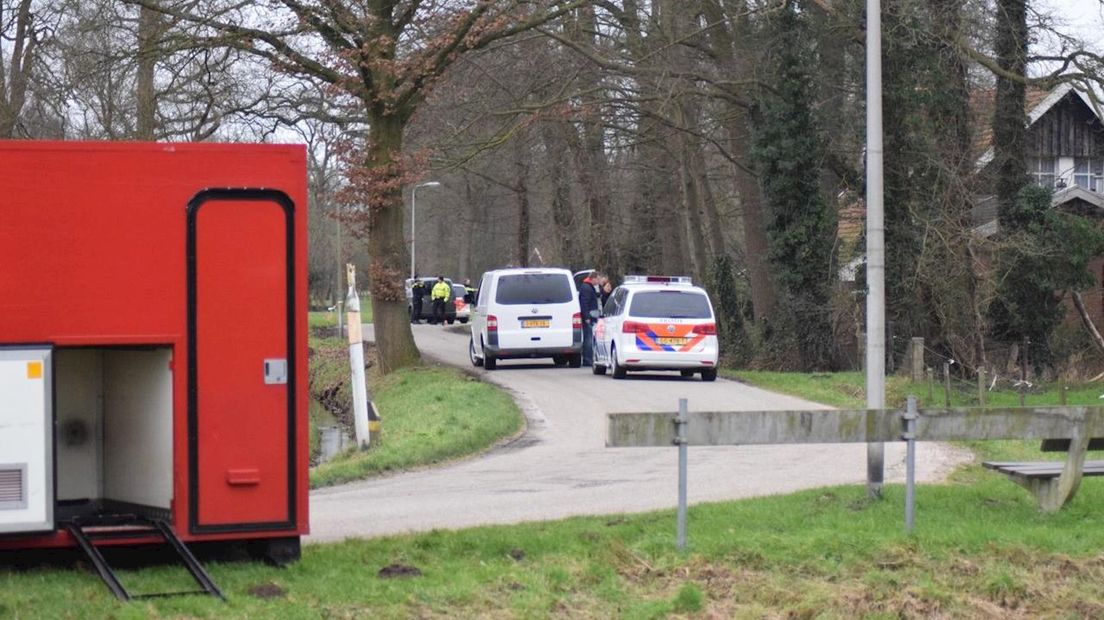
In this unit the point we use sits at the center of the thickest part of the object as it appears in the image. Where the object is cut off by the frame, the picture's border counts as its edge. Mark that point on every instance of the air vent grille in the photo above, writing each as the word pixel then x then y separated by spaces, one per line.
pixel 13 487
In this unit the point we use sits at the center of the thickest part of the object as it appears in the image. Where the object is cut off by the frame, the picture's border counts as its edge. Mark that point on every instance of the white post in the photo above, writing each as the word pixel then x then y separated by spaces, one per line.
pixel 356 362
pixel 413 220
pixel 875 242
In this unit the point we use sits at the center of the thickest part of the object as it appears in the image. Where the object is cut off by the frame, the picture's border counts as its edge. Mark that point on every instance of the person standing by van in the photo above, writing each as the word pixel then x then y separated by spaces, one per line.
pixel 417 291
pixel 439 295
pixel 588 306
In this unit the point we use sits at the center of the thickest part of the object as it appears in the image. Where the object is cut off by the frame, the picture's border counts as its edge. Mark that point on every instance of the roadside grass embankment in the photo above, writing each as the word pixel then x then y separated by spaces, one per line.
pixel 979 551
pixel 428 415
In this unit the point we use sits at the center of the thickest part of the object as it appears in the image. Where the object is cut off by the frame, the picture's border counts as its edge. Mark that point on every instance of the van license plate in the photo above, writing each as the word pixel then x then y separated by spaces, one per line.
pixel 536 323
pixel 671 341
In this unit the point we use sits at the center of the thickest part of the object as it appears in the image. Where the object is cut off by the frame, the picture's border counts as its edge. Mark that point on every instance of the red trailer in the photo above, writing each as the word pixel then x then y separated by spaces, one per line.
pixel 153 357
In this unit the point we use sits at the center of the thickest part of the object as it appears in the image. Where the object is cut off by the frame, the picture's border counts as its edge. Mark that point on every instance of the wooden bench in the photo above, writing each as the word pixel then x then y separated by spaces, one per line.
pixel 1054 483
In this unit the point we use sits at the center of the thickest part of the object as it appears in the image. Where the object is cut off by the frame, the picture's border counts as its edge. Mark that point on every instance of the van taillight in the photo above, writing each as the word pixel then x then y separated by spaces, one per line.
pixel 708 329
pixel 577 321
pixel 492 323
pixel 633 327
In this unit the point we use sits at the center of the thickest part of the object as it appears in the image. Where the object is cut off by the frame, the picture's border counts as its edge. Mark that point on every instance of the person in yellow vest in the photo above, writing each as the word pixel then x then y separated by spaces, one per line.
pixel 439 296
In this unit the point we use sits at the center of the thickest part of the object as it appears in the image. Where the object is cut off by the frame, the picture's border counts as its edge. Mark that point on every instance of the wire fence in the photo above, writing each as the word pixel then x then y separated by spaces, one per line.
pixel 1059 375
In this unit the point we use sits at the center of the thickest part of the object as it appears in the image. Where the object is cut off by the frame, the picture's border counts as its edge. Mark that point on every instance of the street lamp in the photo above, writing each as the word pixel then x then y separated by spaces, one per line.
pixel 413 210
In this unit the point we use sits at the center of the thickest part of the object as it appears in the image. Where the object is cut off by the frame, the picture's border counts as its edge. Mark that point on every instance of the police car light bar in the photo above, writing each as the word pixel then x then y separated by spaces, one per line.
pixel 658 279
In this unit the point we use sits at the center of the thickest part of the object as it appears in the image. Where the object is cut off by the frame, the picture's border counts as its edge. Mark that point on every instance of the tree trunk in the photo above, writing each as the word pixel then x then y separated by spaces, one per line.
pixel 590 158
pixel 387 249
pixel 714 228
pixel 13 92
pixel 521 196
pixel 467 226
pixel 1009 118
pixel 563 216
pixel 691 200
pixel 763 296
pixel 146 96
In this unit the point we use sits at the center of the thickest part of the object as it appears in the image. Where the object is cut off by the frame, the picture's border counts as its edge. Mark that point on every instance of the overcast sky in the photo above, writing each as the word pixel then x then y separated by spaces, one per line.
pixel 1081 18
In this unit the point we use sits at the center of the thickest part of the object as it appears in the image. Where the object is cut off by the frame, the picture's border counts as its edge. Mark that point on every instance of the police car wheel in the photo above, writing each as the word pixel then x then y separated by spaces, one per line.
pixel 559 360
pixel 475 359
pixel 575 361
pixel 709 374
pixel 618 369
pixel 597 368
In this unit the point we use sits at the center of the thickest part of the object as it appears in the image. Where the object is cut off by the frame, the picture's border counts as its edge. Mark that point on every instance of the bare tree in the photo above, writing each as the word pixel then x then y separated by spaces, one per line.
pixel 26 30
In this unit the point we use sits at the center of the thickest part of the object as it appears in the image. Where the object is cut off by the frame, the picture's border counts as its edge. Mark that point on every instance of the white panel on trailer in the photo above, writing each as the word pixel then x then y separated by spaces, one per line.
pixel 26 440
pixel 138 427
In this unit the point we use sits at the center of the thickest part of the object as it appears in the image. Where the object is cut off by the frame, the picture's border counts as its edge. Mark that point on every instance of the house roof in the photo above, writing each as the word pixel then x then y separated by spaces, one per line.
pixel 1037 102
pixel 1076 192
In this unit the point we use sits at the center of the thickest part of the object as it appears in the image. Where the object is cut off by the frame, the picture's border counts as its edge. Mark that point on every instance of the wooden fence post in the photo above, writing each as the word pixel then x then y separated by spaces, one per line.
pixel 916 363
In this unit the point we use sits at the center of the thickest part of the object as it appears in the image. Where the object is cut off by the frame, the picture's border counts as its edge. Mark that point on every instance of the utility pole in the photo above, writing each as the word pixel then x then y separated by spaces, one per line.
pixel 875 243
pixel 413 220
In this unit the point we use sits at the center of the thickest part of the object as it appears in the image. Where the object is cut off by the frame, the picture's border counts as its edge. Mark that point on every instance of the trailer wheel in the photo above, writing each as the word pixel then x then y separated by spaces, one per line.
pixel 275 551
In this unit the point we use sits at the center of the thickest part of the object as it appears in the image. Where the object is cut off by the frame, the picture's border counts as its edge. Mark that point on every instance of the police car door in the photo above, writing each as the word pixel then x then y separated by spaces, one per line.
pixel 610 325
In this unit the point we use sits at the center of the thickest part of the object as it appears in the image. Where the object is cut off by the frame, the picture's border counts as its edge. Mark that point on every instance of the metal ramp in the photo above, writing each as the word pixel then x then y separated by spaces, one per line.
pixel 87 530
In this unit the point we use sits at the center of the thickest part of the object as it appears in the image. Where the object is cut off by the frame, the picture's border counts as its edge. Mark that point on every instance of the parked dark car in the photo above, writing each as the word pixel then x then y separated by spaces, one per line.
pixel 427 305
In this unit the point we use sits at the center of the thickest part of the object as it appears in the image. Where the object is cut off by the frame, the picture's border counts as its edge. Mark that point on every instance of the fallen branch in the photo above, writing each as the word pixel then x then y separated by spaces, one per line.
pixel 1080 305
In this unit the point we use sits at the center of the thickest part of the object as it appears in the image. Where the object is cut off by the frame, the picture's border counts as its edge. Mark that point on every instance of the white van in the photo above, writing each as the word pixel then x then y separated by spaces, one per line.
pixel 526 313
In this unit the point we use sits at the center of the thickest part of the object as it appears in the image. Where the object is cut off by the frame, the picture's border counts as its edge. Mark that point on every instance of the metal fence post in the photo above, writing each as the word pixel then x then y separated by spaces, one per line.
pixel 947 382
pixel 910 417
pixel 680 438
pixel 982 385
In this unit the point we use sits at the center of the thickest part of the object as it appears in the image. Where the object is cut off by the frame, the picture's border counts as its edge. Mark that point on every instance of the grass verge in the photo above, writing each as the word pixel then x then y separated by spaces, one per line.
pixel 325 318
pixel 428 415
pixel 981 550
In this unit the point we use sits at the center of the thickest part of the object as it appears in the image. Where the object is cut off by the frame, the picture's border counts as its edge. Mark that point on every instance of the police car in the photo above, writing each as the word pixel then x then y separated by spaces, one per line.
pixel 657 323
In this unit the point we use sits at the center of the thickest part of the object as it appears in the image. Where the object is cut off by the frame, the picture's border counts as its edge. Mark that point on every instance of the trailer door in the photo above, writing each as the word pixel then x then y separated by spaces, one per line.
pixel 241 399
pixel 26 440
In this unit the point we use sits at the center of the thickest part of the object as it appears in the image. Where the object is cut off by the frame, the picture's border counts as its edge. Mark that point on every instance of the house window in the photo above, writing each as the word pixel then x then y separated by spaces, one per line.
pixel 1088 173
pixel 1041 170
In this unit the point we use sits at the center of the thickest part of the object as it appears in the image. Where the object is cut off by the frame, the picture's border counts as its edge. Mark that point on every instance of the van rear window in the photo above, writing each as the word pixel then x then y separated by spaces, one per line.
pixel 533 288
pixel 670 305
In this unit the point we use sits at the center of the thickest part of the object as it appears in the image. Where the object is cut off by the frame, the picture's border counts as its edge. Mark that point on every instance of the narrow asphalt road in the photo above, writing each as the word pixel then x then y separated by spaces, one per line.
pixel 560 467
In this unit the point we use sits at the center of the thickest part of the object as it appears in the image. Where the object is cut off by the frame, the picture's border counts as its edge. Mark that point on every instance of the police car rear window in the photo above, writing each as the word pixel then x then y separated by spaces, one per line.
pixel 670 305
pixel 533 288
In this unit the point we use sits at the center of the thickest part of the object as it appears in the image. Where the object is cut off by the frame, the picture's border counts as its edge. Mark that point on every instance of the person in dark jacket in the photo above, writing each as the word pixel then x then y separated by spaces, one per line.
pixel 605 289
pixel 417 291
pixel 588 306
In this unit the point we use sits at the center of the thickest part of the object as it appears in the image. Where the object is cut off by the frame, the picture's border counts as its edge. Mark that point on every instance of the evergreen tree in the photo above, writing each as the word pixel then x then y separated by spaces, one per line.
pixel 1047 254
pixel 787 153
